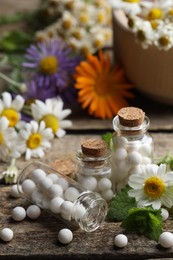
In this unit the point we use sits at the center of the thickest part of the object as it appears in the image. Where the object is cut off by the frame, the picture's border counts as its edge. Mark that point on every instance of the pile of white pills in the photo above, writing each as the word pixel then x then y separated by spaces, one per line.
pixel 52 192
pixel 128 156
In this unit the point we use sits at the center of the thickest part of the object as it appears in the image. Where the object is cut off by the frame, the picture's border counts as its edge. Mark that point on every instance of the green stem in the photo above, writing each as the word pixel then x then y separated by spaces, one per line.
pixel 10 80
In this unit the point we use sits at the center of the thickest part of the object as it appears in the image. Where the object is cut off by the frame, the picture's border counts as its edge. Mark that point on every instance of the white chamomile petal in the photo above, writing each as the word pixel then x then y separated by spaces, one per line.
pixel 60 133
pixel 7 99
pixel 18 103
pixel 28 154
pixel 155 188
pixel 65 123
pixel 3 123
pixel 65 113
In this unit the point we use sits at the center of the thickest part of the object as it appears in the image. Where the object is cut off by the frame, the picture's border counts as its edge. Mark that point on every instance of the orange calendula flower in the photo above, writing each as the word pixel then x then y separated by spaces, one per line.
pixel 102 88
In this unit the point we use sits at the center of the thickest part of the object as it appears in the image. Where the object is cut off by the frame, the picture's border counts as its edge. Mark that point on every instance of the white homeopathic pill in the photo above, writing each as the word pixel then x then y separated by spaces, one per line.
pixel 18 213
pixel 55 191
pixel 38 175
pixel 104 184
pixel 53 177
pixel 71 194
pixel 33 211
pixel 135 158
pixel 164 214
pixel 121 240
pixel 62 182
pixel 14 191
pixel 89 182
pixel 28 186
pixel 66 210
pixel 55 204
pixel 166 239
pixel 45 183
pixel 65 236
pixel 6 234
pixel 120 154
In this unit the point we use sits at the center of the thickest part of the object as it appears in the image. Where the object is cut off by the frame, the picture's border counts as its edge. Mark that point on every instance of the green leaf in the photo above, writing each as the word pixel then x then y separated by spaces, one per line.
pixel 120 205
pixel 107 138
pixel 146 221
pixel 15 41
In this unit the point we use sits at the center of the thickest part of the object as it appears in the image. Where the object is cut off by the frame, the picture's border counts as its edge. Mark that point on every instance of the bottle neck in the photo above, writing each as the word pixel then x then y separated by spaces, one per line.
pixel 89 211
pixel 130 132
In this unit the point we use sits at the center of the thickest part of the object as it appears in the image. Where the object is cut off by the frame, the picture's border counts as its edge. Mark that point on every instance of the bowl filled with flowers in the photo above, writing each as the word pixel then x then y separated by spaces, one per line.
pixel 143 40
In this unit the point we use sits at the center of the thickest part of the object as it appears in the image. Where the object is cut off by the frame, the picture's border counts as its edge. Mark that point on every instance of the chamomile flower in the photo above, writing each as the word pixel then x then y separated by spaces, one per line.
pixel 35 139
pixel 53 114
pixel 10 108
pixel 129 6
pixel 153 186
pixel 8 141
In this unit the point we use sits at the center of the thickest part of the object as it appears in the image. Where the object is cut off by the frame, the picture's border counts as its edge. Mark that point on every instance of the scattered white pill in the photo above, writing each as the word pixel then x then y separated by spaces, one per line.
pixel 71 194
pixel 166 239
pixel 6 234
pixel 62 182
pixel 135 158
pixel 121 240
pixel 33 211
pixel 53 177
pixel 65 236
pixel 120 154
pixel 38 175
pixel 104 184
pixel 28 186
pixel 45 183
pixel 18 213
pixel 55 204
pixel 164 214
pixel 66 210
pixel 14 191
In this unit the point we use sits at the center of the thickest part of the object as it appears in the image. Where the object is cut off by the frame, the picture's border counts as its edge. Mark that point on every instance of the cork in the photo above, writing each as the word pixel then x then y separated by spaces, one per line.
pixel 64 166
pixel 131 116
pixel 94 147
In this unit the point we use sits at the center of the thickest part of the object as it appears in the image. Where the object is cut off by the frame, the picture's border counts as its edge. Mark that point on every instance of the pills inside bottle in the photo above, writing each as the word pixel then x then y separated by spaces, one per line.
pixel 61 196
pixel 94 167
pixel 132 145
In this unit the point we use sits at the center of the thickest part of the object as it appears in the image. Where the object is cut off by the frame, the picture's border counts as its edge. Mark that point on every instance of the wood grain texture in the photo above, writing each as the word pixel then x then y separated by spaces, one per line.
pixel 37 239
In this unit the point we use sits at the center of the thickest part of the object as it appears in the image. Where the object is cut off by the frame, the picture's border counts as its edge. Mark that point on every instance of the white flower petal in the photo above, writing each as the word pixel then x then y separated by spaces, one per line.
pixel 64 113
pixel 28 154
pixel 60 133
pixel 7 99
pixel 3 123
pixel 18 103
pixel 65 123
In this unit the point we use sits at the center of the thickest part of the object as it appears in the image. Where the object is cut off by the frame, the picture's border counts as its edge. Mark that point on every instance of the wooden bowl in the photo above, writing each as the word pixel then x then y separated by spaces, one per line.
pixel 151 70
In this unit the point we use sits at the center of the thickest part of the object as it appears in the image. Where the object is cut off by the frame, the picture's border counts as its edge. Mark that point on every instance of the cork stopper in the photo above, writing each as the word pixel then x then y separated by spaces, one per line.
pixel 64 166
pixel 131 116
pixel 94 147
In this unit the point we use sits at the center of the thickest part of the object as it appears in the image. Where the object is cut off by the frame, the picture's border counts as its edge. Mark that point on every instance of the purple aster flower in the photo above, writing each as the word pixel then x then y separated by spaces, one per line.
pixel 53 63
pixel 36 92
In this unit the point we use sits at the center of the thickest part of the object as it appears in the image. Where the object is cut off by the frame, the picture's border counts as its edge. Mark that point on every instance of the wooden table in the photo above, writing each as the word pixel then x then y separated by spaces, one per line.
pixel 37 239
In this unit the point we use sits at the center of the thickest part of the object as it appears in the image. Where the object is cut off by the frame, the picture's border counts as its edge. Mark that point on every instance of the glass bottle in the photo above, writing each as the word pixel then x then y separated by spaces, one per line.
pixel 94 167
pixel 62 196
pixel 132 145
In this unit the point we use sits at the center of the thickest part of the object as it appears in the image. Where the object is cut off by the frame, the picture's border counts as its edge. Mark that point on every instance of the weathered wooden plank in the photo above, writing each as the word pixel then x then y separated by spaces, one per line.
pixel 37 239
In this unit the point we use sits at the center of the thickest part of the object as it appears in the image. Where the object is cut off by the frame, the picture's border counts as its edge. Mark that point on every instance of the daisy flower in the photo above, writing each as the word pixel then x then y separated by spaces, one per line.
pixel 152 186
pixel 35 139
pixel 8 141
pixel 11 108
pixel 101 88
pixel 51 62
pixel 129 6
pixel 52 113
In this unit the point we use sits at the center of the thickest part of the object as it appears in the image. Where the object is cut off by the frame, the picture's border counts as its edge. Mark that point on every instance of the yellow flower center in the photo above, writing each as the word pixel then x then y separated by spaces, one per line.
pixel 67 24
pixel 98 43
pixel 1 138
pixel 154 24
pixel 163 41
pixel 141 36
pixel 101 18
pixel 84 18
pixel 132 1
pixel 170 12
pixel 11 115
pixel 52 122
pixel 155 13
pixel 49 65
pixel 154 187
pixel 34 141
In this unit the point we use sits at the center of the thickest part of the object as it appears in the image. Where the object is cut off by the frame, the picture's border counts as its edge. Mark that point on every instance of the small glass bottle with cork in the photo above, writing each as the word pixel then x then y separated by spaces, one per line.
pixel 94 167
pixel 62 196
pixel 132 145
